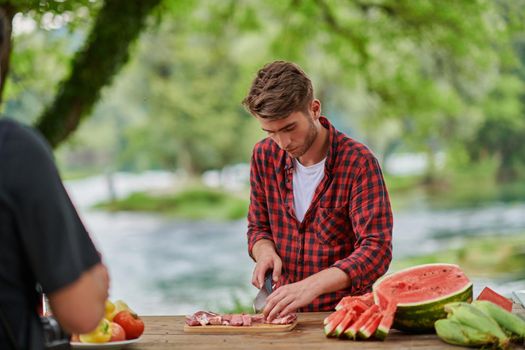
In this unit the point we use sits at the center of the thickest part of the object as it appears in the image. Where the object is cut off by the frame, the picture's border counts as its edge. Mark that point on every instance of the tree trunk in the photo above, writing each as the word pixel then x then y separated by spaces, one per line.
pixel 506 172
pixel 106 50
pixel 7 12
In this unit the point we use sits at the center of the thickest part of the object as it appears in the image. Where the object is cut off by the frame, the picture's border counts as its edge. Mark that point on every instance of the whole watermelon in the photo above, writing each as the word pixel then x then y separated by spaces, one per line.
pixel 420 293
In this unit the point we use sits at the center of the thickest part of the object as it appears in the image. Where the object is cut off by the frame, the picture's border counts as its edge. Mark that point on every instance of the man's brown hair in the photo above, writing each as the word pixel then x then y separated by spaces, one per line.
pixel 279 89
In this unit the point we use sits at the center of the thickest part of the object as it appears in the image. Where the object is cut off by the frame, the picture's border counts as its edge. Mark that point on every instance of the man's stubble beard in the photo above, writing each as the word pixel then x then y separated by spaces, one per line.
pixel 309 140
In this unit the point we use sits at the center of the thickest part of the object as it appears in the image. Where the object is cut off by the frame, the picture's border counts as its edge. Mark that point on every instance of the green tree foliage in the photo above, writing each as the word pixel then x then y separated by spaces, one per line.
pixel 117 25
pixel 193 108
pixel 422 75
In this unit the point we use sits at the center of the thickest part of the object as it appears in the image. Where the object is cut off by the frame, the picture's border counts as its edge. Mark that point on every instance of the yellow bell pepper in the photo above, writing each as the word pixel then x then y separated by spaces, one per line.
pixel 101 334
pixel 110 310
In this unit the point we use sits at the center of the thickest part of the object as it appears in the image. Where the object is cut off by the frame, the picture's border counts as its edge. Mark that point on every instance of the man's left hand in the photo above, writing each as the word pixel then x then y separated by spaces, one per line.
pixel 287 299
pixel 290 297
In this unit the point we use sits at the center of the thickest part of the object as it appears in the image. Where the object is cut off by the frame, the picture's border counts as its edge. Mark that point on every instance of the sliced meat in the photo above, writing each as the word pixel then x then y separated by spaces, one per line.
pixel 203 318
pixel 290 318
pixel 246 320
pixel 216 320
pixel 191 321
pixel 258 318
pixel 236 320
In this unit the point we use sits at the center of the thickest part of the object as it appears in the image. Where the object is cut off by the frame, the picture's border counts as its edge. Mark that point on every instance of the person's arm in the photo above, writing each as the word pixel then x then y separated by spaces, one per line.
pixel 79 306
pixel 371 218
pixel 261 246
pixel 266 258
pixel 290 297
pixel 56 245
pixel 372 223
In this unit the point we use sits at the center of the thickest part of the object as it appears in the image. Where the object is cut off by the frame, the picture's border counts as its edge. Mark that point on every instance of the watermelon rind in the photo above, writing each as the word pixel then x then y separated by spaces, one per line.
pixel 386 321
pixel 381 333
pixel 419 317
pixel 370 326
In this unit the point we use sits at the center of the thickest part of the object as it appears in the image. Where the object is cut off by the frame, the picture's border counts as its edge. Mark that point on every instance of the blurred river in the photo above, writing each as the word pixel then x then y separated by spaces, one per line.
pixel 169 266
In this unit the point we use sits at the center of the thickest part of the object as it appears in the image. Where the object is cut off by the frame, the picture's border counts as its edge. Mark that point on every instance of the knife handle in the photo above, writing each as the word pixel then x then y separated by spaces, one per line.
pixel 268 281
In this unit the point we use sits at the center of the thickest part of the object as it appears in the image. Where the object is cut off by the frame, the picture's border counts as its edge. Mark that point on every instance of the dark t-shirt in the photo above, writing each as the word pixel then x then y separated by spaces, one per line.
pixel 42 240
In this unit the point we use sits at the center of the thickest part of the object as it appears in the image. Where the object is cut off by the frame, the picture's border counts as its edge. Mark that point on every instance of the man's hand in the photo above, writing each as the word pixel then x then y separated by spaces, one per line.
pixel 290 297
pixel 266 258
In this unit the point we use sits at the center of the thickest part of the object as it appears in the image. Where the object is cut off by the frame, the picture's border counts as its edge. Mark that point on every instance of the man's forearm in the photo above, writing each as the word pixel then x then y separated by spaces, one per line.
pixel 262 246
pixel 328 280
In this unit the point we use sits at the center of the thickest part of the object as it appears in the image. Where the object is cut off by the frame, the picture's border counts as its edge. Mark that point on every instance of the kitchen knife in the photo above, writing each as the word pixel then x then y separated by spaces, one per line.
pixel 519 296
pixel 260 299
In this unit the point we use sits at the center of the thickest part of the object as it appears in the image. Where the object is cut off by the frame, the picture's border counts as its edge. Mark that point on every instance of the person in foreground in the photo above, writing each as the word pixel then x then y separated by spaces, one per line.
pixel 44 244
pixel 319 216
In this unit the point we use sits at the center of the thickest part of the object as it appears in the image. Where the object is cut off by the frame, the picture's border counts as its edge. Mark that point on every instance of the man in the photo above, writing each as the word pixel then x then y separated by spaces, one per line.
pixel 319 215
pixel 43 242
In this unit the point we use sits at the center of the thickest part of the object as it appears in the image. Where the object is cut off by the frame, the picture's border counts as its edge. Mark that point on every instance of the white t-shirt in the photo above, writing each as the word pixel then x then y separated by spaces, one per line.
pixel 305 181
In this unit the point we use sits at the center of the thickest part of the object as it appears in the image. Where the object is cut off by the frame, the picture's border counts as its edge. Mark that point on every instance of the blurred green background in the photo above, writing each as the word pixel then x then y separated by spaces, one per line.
pixel 125 88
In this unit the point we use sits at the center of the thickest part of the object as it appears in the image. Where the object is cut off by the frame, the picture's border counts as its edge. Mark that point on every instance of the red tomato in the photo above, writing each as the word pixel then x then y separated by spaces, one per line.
pixel 117 332
pixel 132 324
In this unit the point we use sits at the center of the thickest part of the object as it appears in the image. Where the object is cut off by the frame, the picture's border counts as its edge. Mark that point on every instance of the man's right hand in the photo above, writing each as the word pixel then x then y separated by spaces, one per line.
pixel 266 258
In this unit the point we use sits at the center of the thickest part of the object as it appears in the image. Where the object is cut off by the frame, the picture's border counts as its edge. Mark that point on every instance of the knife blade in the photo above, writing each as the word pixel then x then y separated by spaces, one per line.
pixel 519 296
pixel 260 299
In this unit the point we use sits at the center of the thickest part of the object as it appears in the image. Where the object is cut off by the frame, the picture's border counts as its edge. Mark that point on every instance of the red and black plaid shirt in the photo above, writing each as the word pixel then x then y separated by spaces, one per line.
pixel 348 224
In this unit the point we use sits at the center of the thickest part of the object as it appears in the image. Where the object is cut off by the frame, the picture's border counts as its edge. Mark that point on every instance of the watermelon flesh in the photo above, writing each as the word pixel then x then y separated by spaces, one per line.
pixel 421 293
pixel 333 322
pixel 351 331
pixel 365 300
pixel 345 323
pixel 370 326
pixel 386 321
pixel 498 299
pixel 333 315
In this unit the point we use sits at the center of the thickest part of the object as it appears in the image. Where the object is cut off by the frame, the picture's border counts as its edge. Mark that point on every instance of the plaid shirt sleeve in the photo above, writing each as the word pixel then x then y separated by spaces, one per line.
pixel 258 223
pixel 372 222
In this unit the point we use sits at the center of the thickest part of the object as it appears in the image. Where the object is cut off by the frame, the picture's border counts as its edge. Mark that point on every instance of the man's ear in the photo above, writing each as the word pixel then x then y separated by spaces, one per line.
pixel 315 107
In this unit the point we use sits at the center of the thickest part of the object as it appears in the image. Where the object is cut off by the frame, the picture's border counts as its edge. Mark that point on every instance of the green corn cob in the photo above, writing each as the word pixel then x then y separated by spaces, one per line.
pixel 456 333
pixel 507 320
pixel 471 316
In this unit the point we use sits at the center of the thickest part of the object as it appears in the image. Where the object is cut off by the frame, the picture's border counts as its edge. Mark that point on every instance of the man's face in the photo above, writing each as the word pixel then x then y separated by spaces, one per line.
pixel 295 134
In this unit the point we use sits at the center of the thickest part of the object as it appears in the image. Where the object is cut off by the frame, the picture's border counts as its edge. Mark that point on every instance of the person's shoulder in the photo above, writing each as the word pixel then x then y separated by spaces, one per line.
pixel 264 148
pixel 21 137
pixel 349 148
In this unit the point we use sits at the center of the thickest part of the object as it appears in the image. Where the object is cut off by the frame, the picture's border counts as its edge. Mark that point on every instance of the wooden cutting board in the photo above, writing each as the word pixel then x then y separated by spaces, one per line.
pixel 256 328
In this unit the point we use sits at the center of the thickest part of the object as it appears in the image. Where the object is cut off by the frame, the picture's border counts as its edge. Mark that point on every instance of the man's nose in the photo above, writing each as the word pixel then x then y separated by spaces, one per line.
pixel 284 141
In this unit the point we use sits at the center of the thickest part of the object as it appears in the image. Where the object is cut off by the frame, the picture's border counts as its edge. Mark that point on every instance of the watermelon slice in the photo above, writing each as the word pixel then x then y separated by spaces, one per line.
pixel 343 325
pixel 333 322
pixel 365 299
pixel 386 321
pixel 370 326
pixel 333 315
pixel 351 331
pixel 498 299
pixel 421 293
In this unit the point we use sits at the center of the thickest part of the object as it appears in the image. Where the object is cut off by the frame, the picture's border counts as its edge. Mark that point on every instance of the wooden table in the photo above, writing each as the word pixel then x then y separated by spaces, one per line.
pixel 166 332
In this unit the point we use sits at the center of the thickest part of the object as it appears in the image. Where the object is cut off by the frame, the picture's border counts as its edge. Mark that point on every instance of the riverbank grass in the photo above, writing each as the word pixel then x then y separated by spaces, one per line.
pixel 194 203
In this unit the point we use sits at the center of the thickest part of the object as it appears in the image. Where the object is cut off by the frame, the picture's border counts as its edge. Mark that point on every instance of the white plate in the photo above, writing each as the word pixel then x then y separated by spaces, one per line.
pixel 99 346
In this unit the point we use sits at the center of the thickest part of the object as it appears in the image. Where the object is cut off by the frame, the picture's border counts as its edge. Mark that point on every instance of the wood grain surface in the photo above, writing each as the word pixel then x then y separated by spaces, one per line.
pixel 167 332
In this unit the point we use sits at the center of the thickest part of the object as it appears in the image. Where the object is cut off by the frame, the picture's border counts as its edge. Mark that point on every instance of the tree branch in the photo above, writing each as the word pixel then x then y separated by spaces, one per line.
pixel 117 25
pixel 7 12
